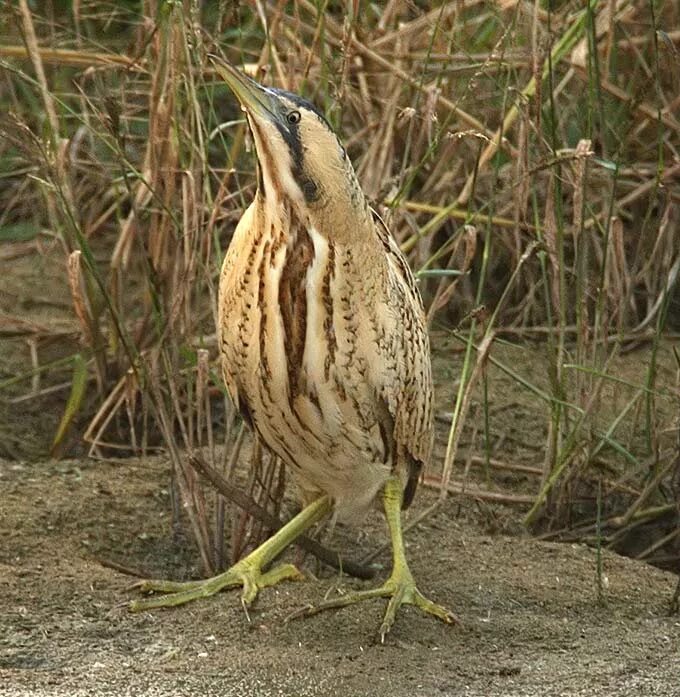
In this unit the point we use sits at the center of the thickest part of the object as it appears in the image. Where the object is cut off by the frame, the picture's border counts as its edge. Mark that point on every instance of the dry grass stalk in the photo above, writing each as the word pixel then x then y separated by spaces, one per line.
pixel 617 278
pixel 457 427
pixel 79 303
pixel 582 250
pixel 183 474
pixel 36 59
pixel 445 289
pixel 91 334
pixel 99 423
pixel 70 57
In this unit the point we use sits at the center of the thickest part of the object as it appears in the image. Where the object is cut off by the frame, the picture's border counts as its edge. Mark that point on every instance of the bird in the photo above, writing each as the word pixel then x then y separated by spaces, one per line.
pixel 323 346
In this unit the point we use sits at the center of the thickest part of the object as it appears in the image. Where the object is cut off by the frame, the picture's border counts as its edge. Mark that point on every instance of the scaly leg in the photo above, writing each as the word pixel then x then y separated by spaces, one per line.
pixel 400 587
pixel 248 572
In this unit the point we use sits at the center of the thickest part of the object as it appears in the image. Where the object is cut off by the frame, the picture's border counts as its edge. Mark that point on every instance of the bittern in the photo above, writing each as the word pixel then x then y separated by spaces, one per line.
pixel 323 345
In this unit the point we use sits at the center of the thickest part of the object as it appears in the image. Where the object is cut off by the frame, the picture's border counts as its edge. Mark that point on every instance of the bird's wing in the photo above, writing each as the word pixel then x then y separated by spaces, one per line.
pixel 409 390
pixel 234 321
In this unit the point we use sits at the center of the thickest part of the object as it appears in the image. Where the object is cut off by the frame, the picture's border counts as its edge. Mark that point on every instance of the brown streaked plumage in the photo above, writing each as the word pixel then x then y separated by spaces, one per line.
pixel 323 342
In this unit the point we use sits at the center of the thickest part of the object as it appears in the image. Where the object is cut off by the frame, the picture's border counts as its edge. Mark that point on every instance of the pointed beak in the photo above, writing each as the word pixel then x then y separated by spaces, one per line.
pixel 254 99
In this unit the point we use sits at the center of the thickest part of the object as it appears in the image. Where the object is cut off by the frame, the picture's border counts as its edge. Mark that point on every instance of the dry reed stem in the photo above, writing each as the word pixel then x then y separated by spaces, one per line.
pixel 334 32
pixel 393 75
pixel 499 137
pixel 92 59
pixel 54 154
pixel 184 477
pixel 417 26
pixel 77 58
pixel 131 390
pixel 36 60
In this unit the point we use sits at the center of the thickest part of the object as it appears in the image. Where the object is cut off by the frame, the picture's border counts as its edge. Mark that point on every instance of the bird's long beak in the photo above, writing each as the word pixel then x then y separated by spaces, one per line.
pixel 253 97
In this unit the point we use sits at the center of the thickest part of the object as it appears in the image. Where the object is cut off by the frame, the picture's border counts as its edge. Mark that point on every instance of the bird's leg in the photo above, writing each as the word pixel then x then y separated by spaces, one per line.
pixel 248 572
pixel 400 587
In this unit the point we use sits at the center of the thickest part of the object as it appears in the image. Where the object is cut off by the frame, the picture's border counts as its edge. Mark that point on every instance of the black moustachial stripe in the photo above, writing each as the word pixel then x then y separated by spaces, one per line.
pixel 291 135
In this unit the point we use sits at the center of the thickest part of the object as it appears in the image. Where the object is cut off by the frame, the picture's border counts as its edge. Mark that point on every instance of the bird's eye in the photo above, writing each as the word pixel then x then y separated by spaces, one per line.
pixel 293 117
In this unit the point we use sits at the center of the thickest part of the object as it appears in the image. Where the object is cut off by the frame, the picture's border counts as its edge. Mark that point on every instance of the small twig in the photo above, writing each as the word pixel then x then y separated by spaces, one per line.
pixel 675 600
pixel 40 393
pixel 454 487
pixel 581 532
pixel 127 570
pixel 657 544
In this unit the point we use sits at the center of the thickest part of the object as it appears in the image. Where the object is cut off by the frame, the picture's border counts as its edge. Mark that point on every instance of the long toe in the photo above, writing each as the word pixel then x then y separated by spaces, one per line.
pixel 173 594
pixel 408 594
pixel 244 573
pixel 398 591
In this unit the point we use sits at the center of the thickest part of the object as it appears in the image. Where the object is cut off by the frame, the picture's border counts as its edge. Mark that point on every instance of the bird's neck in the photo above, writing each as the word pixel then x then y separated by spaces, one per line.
pixel 344 219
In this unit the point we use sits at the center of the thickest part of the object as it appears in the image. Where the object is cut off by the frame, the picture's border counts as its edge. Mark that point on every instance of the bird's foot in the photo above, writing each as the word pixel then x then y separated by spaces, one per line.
pixel 400 588
pixel 246 573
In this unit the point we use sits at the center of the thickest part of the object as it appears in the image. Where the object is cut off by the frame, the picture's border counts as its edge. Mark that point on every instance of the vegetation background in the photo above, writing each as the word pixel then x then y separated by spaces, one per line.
pixel 526 157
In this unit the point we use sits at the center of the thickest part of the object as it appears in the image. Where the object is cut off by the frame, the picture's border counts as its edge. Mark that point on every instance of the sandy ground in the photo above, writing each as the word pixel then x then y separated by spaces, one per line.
pixel 531 620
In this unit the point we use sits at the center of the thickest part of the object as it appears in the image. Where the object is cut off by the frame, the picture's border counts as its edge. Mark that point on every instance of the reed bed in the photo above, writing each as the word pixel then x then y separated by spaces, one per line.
pixel 525 156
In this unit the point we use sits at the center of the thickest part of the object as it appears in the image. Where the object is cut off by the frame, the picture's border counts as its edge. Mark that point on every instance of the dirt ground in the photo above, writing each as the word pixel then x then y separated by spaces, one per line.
pixel 531 623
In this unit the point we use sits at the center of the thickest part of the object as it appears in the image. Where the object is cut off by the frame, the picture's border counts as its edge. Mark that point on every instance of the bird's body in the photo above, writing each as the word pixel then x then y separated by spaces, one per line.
pixel 324 350
pixel 323 344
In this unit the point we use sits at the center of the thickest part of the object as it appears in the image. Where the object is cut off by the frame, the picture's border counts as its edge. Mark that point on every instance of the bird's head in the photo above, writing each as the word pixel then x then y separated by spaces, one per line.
pixel 300 157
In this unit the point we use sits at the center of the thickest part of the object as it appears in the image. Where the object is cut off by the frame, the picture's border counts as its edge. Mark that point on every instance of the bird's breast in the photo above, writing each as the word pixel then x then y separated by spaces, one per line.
pixel 299 326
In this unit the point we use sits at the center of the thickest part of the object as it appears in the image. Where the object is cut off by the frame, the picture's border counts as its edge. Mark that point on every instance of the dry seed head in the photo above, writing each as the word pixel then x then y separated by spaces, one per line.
pixel 80 306
pixel 405 114
pixel 582 152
